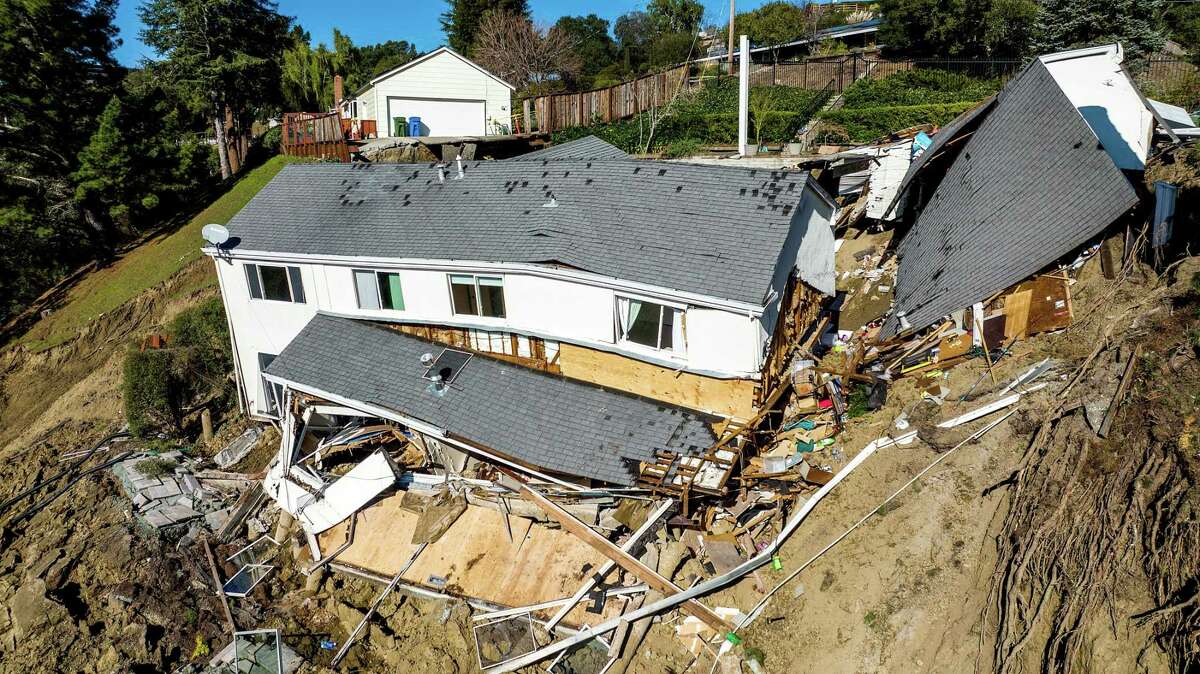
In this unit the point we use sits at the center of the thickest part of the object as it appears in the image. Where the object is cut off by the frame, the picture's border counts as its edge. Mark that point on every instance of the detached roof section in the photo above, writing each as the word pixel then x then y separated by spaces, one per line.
pixel 1030 185
pixel 588 147
pixel 558 424
pixel 714 231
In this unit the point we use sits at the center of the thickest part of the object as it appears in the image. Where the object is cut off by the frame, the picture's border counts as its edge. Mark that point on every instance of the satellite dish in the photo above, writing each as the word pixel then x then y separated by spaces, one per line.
pixel 215 234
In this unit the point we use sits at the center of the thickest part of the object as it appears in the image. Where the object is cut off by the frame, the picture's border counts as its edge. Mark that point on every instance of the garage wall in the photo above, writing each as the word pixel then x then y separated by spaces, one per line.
pixel 446 76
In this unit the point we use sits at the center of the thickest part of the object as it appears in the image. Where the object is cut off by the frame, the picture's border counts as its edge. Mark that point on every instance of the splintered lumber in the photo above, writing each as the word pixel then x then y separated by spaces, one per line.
pixel 635 539
pixel 212 567
pixel 624 559
pixel 1121 388
pixel 745 568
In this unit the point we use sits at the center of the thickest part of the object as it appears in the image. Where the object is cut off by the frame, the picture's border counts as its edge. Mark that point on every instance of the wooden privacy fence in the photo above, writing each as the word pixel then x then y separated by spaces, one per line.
pixel 314 134
pixel 627 99
pixel 621 101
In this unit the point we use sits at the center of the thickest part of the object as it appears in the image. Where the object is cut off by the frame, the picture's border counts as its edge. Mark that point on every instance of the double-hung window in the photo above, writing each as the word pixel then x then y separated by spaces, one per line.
pixel 269 282
pixel 378 290
pixel 657 326
pixel 477 295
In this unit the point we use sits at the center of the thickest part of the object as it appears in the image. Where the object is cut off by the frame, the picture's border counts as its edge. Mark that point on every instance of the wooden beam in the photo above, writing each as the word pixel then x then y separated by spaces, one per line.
pixel 212 567
pixel 623 559
pixel 1113 406
pixel 634 540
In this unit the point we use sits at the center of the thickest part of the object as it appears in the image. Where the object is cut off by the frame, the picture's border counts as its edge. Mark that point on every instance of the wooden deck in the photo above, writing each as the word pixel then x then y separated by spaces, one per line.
pixel 475 557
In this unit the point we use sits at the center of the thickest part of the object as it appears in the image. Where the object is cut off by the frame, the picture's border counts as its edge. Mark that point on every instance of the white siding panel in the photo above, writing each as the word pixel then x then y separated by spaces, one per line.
pixel 721 340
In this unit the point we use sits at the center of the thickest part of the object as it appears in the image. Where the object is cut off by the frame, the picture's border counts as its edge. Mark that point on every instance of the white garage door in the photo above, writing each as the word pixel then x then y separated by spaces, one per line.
pixel 439 117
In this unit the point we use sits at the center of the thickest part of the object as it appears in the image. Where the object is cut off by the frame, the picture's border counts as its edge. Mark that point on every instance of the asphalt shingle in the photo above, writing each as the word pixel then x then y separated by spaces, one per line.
pixel 711 230
pixel 559 424
pixel 588 147
pixel 1032 184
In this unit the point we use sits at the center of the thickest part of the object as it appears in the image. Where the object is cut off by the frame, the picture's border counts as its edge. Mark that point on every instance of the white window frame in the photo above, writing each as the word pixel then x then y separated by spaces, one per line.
pixel 678 341
pixel 378 289
pixel 287 272
pixel 478 297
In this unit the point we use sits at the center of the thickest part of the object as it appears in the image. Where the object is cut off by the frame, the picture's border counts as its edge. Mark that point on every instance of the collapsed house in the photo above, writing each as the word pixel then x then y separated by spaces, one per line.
pixel 1023 182
pixel 597 325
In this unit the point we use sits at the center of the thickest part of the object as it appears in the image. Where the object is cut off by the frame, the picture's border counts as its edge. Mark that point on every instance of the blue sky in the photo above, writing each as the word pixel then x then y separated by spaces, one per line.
pixel 371 21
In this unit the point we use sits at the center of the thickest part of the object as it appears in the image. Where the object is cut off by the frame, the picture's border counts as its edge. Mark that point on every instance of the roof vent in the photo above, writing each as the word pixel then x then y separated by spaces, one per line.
pixel 441 169
pixel 426 359
pixel 443 370
pixel 553 203
pixel 458 163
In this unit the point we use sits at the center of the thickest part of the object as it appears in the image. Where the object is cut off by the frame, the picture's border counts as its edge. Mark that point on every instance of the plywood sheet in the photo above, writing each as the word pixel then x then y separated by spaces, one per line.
pixel 1016 309
pixel 474 556
pixel 1049 303
pixel 727 397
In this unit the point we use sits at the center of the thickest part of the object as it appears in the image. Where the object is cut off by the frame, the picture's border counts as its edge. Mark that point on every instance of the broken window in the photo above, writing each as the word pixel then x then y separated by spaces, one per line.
pixel 281 284
pixel 477 295
pixel 253 569
pixel 650 324
pixel 378 290
pixel 272 392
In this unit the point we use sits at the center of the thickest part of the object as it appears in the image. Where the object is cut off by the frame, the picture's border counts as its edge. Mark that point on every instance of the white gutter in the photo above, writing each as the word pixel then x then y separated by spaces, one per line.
pixel 422 264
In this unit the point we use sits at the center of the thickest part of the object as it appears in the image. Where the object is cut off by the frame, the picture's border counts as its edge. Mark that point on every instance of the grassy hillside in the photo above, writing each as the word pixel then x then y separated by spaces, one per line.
pixel 145 266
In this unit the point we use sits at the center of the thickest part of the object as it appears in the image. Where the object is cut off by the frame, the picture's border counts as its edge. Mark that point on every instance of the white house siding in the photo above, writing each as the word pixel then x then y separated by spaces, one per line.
pixel 718 342
pixel 446 77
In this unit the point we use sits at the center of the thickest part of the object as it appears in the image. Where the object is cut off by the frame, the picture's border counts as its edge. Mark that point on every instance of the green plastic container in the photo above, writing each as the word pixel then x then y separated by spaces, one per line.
pixel 399 126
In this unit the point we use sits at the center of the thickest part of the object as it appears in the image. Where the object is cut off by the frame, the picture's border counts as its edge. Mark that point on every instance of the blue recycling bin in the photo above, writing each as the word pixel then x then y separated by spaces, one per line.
pixel 414 126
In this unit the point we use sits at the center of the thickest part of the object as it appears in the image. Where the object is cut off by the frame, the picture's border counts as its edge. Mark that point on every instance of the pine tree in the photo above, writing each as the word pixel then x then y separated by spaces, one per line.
pixel 223 54
pixel 1067 24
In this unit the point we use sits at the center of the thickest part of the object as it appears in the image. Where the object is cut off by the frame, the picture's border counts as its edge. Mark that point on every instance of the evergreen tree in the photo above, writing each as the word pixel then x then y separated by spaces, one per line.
pixel 958 28
pixel 460 21
pixel 1066 24
pixel 593 44
pixel 222 54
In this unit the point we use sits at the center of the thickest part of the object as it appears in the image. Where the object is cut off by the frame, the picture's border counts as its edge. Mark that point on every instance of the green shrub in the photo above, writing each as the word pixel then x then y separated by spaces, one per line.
pixel 708 116
pixel 866 124
pixel 918 87
pixel 150 401
pixel 685 147
pixel 200 338
pixel 160 384
pixel 155 467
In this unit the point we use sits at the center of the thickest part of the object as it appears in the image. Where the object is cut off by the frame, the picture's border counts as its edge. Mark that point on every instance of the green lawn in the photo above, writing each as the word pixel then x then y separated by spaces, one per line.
pixel 145 266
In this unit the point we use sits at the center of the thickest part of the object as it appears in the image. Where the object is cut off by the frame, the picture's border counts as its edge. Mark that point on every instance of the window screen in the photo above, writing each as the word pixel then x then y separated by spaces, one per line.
pixel 491 296
pixel 462 292
pixel 252 281
pixel 297 285
pixel 365 287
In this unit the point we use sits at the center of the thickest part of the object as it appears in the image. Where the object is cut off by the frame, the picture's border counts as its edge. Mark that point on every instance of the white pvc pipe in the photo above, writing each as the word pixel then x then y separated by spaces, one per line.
pixel 744 98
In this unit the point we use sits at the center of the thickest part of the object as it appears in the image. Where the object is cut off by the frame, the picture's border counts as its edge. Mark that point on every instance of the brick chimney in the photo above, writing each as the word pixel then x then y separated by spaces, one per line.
pixel 337 90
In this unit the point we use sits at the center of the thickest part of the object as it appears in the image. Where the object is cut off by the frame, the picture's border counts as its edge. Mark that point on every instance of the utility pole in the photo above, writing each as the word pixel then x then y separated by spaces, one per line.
pixel 744 98
pixel 731 12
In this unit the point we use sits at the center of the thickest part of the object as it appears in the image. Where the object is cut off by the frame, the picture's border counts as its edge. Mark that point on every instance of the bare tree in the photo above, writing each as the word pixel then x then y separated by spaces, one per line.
pixel 526 56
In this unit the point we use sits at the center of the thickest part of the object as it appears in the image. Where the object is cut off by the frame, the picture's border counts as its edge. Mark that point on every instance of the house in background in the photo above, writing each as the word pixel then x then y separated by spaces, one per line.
pixel 593 311
pixel 450 94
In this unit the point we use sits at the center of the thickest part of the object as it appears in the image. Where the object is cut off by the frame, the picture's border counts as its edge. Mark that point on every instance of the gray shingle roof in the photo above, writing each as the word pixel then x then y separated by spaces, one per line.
pixel 561 425
pixel 709 230
pixel 1032 184
pixel 588 147
pixel 943 136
